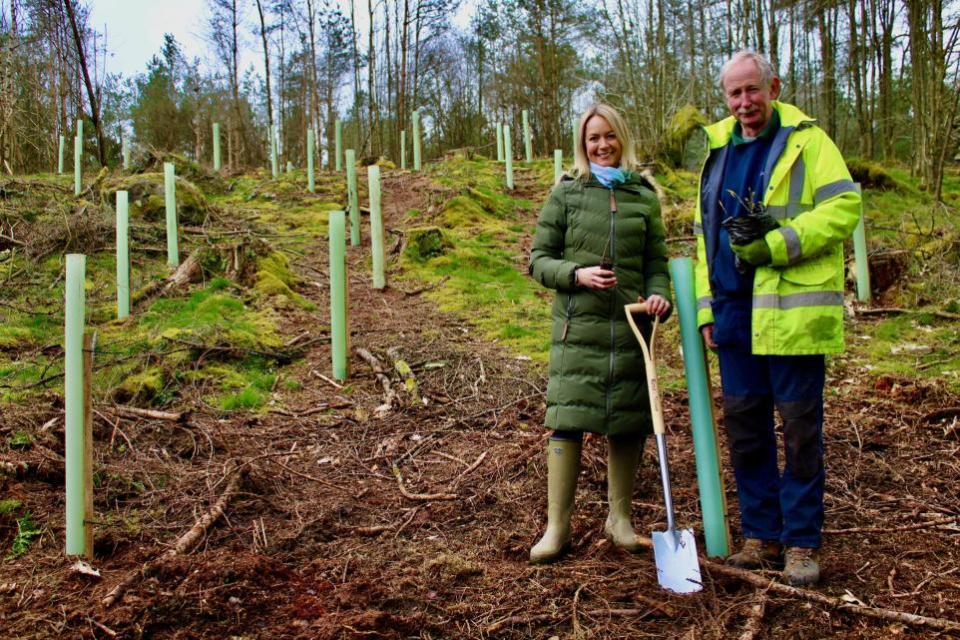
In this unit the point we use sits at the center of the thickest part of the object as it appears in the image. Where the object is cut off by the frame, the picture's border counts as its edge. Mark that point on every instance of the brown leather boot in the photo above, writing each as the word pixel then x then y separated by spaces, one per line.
pixel 756 554
pixel 802 566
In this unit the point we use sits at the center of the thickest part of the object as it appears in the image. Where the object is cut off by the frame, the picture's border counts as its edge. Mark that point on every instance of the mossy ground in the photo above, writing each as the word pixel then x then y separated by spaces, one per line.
pixel 211 338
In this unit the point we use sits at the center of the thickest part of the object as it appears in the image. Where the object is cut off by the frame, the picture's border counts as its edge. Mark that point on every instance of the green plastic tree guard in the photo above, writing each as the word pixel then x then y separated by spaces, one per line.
pixel 170 200
pixel 123 255
pixel 274 160
pixel 716 530
pixel 557 165
pixel 216 146
pixel 861 258
pixel 311 141
pixel 125 153
pixel 74 404
pixel 527 140
pixel 376 226
pixel 339 145
pixel 77 162
pixel 403 150
pixel 508 155
pixel 416 141
pixel 353 198
pixel 63 143
pixel 499 142
pixel 338 294
pixel 289 167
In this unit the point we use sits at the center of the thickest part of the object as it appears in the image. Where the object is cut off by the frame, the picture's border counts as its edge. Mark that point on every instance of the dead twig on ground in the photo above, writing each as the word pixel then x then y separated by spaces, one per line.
pixel 389 395
pixel 424 289
pixel 889 615
pixel 185 542
pixel 153 414
pixel 908 527
pixel 754 618
pixel 420 496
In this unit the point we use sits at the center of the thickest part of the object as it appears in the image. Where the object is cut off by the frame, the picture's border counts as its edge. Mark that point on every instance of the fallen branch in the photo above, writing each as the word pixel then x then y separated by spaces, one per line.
pixel 941 414
pixel 389 395
pixel 188 271
pixel 429 287
pixel 406 374
pixel 185 542
pixel 895 311
pixel 469 469
pixel 152 414
pixel 420 496
pixel 906 527
pixel 889 615
pixel 332 383
pixel 754 618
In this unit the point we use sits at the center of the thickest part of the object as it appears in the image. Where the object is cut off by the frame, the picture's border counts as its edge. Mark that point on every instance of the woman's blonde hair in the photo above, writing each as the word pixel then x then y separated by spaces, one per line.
pixel 628 156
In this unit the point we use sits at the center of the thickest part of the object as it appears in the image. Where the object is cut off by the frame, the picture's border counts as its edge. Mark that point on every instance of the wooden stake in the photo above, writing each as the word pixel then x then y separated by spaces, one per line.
pixel 89 344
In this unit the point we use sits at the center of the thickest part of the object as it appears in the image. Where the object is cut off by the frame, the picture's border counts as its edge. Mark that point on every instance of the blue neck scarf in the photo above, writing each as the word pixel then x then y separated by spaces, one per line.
pixel 608 176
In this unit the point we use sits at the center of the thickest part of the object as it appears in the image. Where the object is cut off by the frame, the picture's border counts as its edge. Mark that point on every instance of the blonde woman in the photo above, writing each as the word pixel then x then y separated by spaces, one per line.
pixel 600 243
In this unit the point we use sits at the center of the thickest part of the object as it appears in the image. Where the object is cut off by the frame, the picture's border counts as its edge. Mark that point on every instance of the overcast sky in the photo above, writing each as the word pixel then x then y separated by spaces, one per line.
pixel 135 29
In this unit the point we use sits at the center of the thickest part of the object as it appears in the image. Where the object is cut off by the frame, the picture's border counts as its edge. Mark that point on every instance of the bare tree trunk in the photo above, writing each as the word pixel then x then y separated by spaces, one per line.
pixel 91 94
pixel 374 134
pixel 266 60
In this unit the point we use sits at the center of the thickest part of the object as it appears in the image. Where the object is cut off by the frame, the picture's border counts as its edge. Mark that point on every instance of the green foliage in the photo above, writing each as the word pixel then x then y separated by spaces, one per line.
pixel 26 531
pixel 162 109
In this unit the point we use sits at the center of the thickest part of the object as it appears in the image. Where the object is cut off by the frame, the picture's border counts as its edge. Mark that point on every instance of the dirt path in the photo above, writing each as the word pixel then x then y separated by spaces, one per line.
pixel 355 522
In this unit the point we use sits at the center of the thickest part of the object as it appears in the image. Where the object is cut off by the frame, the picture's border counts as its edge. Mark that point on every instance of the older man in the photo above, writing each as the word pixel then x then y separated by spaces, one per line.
pixel 776 202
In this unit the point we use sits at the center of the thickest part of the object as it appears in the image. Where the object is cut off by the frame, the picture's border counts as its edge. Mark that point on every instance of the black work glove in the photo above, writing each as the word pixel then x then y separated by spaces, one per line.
pixel 746 239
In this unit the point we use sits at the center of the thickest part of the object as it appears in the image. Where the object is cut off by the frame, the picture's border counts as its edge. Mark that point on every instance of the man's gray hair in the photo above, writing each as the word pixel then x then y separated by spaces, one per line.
pixel 767 73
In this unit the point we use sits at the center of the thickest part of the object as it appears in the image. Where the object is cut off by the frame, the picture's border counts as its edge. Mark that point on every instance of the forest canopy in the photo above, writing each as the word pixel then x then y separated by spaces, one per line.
pixel 881 76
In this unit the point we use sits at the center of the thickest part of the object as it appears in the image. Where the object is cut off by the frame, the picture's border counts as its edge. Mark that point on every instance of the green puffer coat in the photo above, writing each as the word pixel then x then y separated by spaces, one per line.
pixel 597 380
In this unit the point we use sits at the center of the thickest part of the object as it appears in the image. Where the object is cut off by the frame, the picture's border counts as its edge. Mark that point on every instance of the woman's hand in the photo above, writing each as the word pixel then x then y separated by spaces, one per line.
pixel 656 305
pixel 596 278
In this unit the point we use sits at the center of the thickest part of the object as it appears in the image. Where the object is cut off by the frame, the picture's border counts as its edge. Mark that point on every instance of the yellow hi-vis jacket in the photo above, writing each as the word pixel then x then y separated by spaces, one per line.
pixel 797 304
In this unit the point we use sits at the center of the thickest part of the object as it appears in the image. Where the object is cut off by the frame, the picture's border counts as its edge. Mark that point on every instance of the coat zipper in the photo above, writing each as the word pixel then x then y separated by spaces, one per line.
pixel 613 298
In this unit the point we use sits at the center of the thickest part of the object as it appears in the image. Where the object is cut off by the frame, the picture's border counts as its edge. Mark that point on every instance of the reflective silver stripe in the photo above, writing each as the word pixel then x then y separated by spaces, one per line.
pixel 782 211
pixel 797 176
pixel 697 229
pixel 811 299
pixel 792 241
pixel 704 302
pixel 834 189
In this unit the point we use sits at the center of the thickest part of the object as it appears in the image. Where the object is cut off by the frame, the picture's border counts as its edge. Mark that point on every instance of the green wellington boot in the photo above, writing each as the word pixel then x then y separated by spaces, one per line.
pixel 622 461
pixel 563 467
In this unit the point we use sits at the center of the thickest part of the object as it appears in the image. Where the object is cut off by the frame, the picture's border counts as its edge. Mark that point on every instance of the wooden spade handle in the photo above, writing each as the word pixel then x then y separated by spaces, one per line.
pixel 656 409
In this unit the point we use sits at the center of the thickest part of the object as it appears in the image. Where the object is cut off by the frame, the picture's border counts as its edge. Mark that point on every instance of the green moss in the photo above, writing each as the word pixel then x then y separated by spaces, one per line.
pixel 141 387
pixel 15 337
pixel 148 200
pixel 9 506
pixel 683 125
pixel 871 175
pixel 425 243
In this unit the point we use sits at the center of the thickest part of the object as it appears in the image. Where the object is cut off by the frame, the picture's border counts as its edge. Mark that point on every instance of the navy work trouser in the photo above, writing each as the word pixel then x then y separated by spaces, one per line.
pixel 784 506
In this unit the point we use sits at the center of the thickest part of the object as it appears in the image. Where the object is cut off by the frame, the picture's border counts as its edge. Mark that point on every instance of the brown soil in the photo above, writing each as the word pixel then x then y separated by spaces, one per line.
pixel 322 542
